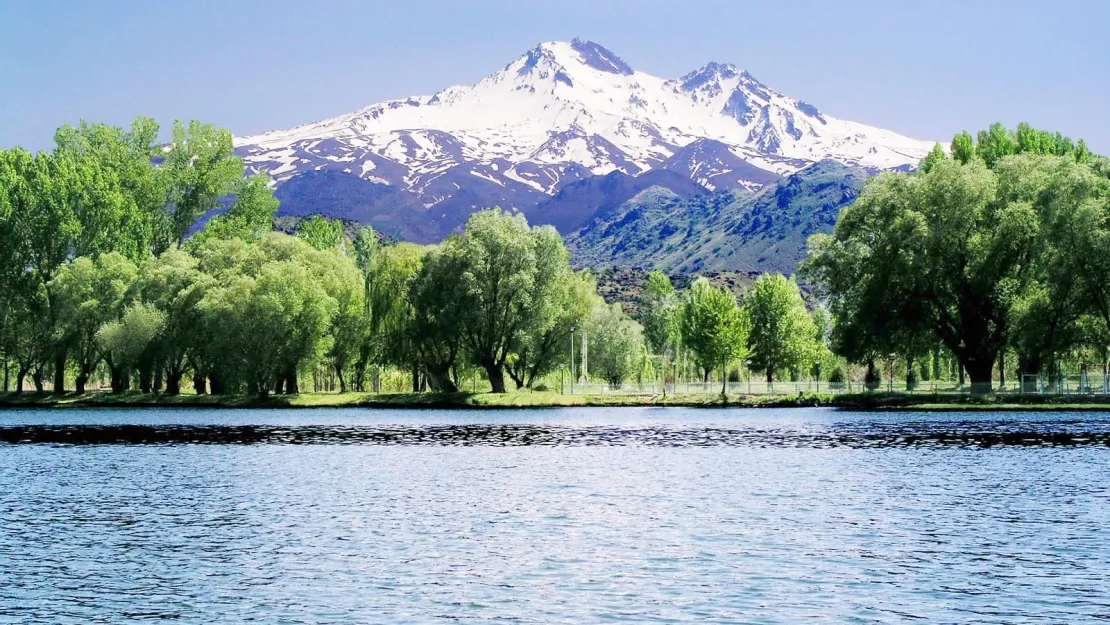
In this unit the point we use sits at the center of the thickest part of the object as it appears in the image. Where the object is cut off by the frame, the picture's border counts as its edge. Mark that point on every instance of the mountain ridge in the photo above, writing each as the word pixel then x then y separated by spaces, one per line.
pixel 561 113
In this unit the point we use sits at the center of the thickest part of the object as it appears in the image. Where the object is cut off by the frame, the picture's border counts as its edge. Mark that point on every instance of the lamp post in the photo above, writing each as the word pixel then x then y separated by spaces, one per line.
pixel 572 360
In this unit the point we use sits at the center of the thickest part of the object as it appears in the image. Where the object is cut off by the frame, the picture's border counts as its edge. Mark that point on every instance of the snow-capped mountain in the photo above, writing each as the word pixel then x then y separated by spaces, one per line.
pixel 569 110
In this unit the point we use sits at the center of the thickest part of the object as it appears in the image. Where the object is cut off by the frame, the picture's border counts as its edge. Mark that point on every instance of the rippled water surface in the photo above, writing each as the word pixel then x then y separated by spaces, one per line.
pixel 560 516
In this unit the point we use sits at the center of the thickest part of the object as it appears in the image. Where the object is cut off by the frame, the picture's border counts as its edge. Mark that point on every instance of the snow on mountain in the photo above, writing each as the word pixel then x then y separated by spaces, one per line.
pixel 569 110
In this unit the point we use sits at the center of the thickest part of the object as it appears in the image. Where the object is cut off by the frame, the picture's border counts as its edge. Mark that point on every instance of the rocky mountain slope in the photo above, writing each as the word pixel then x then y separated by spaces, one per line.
pixel 563 112
pixel 720 231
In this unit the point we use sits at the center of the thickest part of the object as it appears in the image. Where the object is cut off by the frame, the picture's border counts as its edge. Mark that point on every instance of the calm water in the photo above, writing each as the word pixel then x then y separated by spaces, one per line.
pixel 562 516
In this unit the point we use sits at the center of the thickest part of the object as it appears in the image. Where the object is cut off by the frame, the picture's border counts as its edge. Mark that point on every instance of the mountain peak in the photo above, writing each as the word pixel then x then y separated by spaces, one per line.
pixel 568 110
pixel 710 73
pixel 600 58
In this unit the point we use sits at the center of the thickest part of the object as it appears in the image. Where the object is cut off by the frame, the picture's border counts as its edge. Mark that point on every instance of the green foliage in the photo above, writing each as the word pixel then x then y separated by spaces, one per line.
pixel 963 148
pixel 616 344
pixel 662 313
pixel 713 328
pixel 994 143
pixel 322 233
pixel 125 341
pixel 267 315
pixel 200 167
pixel 782 334
pixel 250 216
pixel 507 276
pixel 973 256
pixel 932 158
pixel 87 294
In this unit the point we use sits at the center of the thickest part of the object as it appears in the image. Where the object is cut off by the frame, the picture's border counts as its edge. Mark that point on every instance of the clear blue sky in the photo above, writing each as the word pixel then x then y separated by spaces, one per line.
pixel 926 69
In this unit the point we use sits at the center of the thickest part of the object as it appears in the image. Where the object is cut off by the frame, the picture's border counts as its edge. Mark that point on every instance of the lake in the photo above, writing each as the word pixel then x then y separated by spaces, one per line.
pixel 553 516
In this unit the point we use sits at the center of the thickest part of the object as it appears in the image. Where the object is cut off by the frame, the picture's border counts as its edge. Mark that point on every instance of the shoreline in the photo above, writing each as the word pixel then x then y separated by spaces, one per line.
pixel 880 402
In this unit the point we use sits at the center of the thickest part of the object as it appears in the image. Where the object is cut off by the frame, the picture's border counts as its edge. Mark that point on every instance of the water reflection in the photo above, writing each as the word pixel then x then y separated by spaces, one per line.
pixel 580 517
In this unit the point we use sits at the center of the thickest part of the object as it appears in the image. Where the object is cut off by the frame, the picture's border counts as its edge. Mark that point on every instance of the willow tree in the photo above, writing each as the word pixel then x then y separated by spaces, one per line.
pixel 507 273
pixel 936 250
pixel 89 293
pixel 616 343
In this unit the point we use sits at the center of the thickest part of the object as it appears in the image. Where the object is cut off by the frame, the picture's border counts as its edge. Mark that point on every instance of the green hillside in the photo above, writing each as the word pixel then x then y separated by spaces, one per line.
pixel 723 231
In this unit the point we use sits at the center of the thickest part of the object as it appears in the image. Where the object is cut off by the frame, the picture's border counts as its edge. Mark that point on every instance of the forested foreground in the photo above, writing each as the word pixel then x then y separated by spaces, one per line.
pixel 104 279
pixel 998 249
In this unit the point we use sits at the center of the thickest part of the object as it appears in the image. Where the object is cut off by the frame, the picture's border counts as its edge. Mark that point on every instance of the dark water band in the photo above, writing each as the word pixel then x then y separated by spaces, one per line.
pixel 854 436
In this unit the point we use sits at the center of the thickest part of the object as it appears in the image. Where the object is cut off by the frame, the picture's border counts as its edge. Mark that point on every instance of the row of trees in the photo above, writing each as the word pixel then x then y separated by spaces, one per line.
pixel 103 190
pixel 771 331
pixel 1000 245
pixel 102 274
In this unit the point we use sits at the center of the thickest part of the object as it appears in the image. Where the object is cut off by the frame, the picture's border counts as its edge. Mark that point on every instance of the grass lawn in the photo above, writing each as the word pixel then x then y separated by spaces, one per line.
pixel 526 399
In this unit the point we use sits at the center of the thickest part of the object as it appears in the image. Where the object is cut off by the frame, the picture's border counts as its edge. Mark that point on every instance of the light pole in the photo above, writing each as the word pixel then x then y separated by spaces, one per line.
pixel 572 360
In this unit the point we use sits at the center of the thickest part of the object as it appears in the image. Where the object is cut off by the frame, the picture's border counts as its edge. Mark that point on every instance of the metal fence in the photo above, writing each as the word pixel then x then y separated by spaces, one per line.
pixel 757 387
pixel 1082 384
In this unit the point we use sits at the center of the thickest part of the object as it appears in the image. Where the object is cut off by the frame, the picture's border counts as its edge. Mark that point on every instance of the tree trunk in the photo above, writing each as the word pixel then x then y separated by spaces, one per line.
pixel 216 384
pixel 517 375
pixel 1002 369
pixel 200 384
pixel 146 378
pixel 872 380
pixel 19 375
pixel 37 377
pixel 980 370
pixel 342 381
pixel 279 385
pixel 770 375
pixel 117 380
pixel 263 391
pixel 496 375
pixel 79 383
pixel 292 385
pixel 173 383
pixel 158 378
pixel 439 379
pixel 59 369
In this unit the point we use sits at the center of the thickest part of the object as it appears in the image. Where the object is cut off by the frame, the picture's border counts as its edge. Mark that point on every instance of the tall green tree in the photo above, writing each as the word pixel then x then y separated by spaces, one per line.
pixel 506 271
pixel 616 344
pixel 200 168
pixel 124 205
pixel 542 346
pixel 321 233
pixel 174 285
pixel 661 308
pixel 938 250
pixel 89 293
pixel 123 342
pixel 435 324
pixel 388 275
pixel 250 215
pixel 932 158
pixel 783 335
pixel 713 329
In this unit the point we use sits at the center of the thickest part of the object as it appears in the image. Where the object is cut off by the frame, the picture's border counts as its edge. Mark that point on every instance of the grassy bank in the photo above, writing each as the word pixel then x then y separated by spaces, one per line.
pixel 858 401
